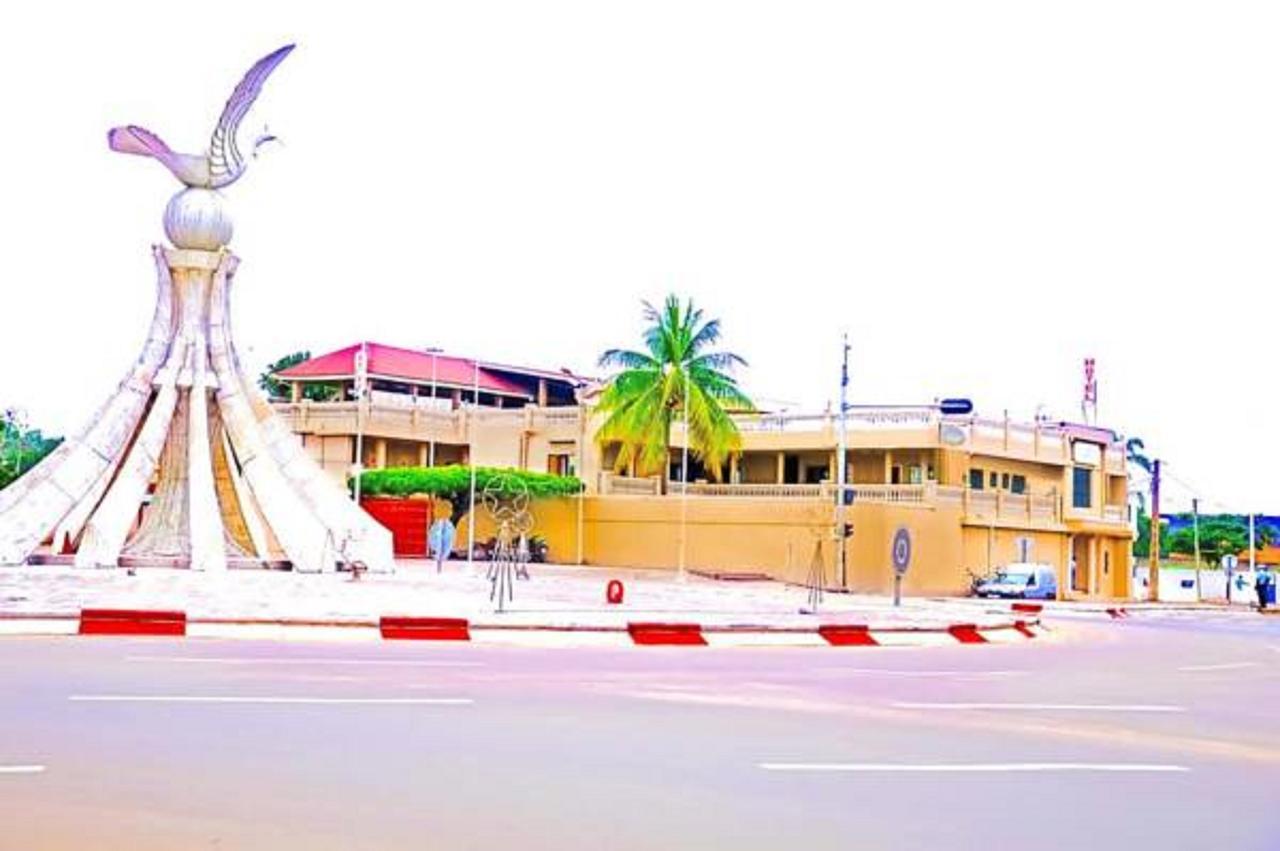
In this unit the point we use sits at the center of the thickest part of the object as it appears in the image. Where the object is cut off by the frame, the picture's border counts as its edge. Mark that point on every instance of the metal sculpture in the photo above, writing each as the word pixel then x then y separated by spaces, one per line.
pixel 506 499
pixel 186 435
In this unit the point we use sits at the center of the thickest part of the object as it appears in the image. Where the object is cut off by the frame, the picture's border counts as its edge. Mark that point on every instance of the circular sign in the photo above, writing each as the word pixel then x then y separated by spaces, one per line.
pixel 901 550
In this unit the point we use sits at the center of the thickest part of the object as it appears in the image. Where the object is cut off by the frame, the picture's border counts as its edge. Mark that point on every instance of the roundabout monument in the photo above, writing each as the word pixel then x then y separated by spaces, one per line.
pixel 185 465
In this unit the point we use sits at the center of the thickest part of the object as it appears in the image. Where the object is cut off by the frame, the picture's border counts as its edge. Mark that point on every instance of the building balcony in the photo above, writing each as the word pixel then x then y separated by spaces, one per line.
pixel 402 418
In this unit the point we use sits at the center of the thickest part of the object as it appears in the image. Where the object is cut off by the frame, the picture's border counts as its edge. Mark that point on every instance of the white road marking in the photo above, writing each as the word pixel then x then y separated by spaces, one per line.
pixel 316 701
pixel 977 768
pixel 1226 666
pixel 1046 707
pixel 284 660
pixel 21 769
pixel 884 672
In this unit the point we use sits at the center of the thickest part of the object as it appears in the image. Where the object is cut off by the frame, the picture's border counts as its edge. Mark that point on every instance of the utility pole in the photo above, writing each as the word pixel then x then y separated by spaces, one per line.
pixel 1252 558
pixel 1195 528
pixel 1154 569
pixel 842 569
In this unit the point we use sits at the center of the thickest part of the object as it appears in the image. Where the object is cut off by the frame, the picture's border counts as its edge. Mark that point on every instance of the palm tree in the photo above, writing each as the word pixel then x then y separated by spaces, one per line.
pixel 675 376
pixel 1135 453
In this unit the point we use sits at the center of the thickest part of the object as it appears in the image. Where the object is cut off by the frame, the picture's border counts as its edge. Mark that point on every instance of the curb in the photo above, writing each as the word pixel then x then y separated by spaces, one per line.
pixel 134 622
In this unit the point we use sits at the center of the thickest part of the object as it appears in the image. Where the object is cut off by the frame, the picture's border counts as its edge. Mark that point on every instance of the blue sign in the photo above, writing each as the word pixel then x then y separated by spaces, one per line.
pixel 901 550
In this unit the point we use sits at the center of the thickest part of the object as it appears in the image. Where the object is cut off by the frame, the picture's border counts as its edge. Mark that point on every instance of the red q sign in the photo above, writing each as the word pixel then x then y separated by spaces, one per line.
pixel 613 592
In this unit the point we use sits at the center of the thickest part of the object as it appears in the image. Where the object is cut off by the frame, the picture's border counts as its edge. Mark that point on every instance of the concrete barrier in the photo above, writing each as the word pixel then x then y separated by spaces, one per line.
pixel 132 622
pixel 685 634
pixel 847 635
pixel 966 633
pixel 399 627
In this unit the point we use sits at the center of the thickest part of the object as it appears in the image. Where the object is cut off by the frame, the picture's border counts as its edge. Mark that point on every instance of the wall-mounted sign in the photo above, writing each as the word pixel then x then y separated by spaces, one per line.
pixel 1083 452
pixel 952 435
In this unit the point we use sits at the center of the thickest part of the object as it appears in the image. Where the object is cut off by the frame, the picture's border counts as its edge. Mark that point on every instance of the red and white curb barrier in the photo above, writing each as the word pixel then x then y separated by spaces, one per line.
pixel 141 622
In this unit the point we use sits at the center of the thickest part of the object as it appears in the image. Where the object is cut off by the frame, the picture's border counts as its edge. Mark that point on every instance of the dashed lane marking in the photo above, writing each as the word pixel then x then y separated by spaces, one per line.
pixel 977 768
pixel 271 700
pixel 1044 707
pixel 285 660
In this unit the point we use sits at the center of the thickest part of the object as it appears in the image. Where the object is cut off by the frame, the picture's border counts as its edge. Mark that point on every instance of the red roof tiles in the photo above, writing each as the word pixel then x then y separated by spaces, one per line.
pixel 389 362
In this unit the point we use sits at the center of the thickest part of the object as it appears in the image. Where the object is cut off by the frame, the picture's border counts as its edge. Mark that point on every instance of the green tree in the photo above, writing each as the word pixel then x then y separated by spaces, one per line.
pixel 21 448
pixel 1219 534
pixel 1142 544
pixel 277 389
pixel 453 483
pixel 676 372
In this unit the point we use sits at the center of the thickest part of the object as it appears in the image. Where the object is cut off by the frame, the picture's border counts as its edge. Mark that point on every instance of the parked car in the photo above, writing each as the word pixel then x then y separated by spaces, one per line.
pixel 1021 580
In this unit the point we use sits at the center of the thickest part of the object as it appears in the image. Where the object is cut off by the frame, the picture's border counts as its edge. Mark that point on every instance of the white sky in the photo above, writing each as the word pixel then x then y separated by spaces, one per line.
pixel 981 193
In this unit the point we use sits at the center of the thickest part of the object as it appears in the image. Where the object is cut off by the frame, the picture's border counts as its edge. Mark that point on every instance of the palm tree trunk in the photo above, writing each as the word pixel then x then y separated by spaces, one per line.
pixel 665 484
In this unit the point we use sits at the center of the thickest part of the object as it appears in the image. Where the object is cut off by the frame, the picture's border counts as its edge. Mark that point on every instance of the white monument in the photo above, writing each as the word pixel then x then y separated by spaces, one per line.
pixel 185 465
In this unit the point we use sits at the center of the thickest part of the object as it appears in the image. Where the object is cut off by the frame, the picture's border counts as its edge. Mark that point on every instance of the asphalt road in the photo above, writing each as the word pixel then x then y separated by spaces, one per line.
pixel 1160 732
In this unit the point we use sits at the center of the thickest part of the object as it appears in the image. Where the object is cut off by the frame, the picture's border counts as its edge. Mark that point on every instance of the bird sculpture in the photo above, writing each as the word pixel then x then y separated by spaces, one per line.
pixel 223 164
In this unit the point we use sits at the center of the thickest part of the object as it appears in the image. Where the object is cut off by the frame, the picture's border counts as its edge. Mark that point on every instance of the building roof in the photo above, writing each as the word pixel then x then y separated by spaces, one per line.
pixel 1261 555
pixel 408 365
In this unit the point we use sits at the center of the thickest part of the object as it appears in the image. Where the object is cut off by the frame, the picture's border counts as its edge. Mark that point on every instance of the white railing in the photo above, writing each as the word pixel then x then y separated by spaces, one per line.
pixel 768 491
pixel 626 486
pixel 1115 513
pixel 782 422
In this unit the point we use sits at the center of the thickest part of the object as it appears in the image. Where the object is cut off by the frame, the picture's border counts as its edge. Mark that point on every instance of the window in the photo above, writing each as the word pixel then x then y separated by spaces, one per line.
pixel 895 475
pixel 915 476
pixel 975 480
pixel 1018 484
pixel 995 480
pixel 1081 484
pixel 1004 481
pixel 560 464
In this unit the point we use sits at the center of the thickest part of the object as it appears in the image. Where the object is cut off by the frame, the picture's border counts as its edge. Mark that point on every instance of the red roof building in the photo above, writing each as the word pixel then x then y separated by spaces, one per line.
pixel 410 371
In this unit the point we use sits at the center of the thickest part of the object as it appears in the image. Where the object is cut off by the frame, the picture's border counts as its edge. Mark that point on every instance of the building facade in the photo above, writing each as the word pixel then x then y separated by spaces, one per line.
pixel 976 494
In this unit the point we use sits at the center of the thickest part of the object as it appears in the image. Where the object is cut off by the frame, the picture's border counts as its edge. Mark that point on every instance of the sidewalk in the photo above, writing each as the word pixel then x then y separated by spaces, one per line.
pixel 554 597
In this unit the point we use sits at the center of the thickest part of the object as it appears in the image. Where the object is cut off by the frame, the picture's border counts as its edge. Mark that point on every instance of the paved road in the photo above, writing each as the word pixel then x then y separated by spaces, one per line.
pixel 1159 732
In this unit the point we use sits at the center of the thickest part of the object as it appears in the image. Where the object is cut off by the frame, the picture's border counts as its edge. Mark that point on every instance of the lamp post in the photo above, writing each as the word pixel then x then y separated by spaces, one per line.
pixel 431 443
pixel 361 388
pixel 684 481
pixel 841 473
pixel 471 457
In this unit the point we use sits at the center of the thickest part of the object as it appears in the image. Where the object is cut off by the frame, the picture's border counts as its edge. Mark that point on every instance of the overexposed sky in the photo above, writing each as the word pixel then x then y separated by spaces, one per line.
pixel 980 193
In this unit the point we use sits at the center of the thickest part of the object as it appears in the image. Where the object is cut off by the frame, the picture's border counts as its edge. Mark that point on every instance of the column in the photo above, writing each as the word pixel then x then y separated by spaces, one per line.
pixel 542 392
pixel 733 468
pixel 1093 565
pixel 422 454
pixel 782 468
pixel 380 453
pixel 295 391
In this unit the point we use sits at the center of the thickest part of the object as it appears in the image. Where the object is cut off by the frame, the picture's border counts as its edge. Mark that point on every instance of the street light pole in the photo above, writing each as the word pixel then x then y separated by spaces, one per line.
pixel 684 481
pixel 471 457
pixel 361 382
pixel 841 465
pixel 431 445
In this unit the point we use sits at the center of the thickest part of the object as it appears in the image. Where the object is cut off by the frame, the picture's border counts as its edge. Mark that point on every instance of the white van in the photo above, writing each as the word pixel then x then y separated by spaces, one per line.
pixel 1022 580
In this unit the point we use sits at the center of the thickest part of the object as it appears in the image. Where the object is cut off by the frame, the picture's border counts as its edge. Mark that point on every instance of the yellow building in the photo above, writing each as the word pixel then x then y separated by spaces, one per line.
pixel 975 494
